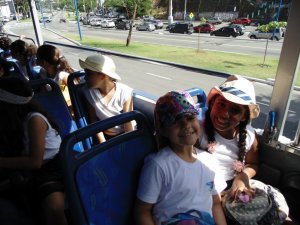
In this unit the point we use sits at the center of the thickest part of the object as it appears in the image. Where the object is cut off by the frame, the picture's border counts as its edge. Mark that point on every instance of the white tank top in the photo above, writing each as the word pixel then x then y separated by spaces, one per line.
pixel 52 138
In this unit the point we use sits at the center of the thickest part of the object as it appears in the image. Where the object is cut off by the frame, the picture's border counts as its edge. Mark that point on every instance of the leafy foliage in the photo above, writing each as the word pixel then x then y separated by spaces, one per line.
pixel 202 20
pixel 143 6
pixel 271 26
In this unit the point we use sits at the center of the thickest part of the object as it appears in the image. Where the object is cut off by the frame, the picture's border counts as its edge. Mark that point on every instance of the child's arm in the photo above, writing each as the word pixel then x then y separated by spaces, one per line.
pixel 241 181
pixel 92 119
pixel 127 107
pixel 37 128
pixel 143 213
pixel 217 210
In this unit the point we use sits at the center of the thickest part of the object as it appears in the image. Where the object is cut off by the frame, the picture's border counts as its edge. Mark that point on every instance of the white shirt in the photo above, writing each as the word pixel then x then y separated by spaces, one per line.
pixel 175 186
pixel 58 77
pixel 114 107
pixel 227 151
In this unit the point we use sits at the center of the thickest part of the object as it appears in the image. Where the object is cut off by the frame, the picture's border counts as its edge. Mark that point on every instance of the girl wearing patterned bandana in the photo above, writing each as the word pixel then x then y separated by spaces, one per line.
pixel 228 133
pixel 29 141
pixel 180 178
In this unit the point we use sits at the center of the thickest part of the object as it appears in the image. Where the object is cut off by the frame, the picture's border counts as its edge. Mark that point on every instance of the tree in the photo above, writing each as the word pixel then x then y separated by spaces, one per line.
pixel 22 7
pixel 132 8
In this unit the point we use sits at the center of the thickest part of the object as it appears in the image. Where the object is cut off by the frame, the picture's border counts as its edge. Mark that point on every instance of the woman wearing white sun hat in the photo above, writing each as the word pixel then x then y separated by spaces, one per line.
pixel 228 133
pixel 106 96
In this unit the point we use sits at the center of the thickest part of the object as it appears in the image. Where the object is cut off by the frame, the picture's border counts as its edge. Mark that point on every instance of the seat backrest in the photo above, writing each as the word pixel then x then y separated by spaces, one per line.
pixel 145 104
pixel 79 102
pixel 77 97
pixel 32 69
pixel 49 95
pixel 101 183
pixel 15 68
pixel 200 102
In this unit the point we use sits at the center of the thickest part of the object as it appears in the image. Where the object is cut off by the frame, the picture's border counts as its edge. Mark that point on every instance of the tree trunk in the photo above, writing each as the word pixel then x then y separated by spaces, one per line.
pixel 131 25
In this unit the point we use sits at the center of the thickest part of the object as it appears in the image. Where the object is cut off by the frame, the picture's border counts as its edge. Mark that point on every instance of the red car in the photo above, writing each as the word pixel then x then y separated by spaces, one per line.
pixel 204 28
pixel 243 21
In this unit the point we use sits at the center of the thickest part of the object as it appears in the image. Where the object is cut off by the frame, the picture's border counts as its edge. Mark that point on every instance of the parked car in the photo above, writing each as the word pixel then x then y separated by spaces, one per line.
pixel 239 27
pixel 204 28
pixel 148 17
pixel 6 19
pixel 157 23
pixel 257 34
pixel 96 21
pixel 183 28
pixel 87 19
pixel 145 26
pixel 168 27
pixel 47 19
pixel 122 24
pixel 107 24
pixel 244 21
pixel 225 32
pixel 214 20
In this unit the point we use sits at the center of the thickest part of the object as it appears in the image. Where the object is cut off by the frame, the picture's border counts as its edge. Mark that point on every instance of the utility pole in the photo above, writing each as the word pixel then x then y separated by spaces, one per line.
pixel 170 17
pixel 184 12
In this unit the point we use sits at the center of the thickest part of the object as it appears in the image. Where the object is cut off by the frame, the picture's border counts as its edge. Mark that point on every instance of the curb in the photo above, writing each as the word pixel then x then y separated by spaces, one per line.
pixel 269 81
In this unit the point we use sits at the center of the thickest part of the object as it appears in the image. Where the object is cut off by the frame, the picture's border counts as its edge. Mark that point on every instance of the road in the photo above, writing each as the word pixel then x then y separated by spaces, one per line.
pixel 157 79
pixel 240 45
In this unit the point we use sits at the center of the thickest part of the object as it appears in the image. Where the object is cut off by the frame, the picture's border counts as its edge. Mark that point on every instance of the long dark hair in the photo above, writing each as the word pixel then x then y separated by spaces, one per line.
pixel 210 130
pixel 51 54
pixel 13 116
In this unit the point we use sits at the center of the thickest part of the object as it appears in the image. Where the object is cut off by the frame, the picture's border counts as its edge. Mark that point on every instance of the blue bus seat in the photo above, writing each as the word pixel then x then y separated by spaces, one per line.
pixel 101 183
pixel 5 54
pixel 16 68
pixel 145 104
pixel 49 95
pixel 33 69
pixel 200 102
pixel 78 102
pixel 77 97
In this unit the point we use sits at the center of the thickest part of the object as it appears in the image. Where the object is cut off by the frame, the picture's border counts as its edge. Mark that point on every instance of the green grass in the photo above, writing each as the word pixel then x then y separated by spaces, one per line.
pixel 245 65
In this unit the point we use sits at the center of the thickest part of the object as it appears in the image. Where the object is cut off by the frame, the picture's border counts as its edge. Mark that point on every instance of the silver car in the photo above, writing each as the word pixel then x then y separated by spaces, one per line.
pixel 146 26
pixel 266 35
pixel 157 23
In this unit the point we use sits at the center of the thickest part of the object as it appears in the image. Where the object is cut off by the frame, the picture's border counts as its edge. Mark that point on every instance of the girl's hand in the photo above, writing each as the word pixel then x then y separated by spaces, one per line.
pixel 240 184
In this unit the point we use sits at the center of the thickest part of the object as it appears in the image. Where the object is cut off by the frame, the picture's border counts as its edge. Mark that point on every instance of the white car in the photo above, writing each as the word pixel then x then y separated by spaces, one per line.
pixel 214 20
pixel 95 22
pixel 107 24
pixel 47 19
pixel 266 35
